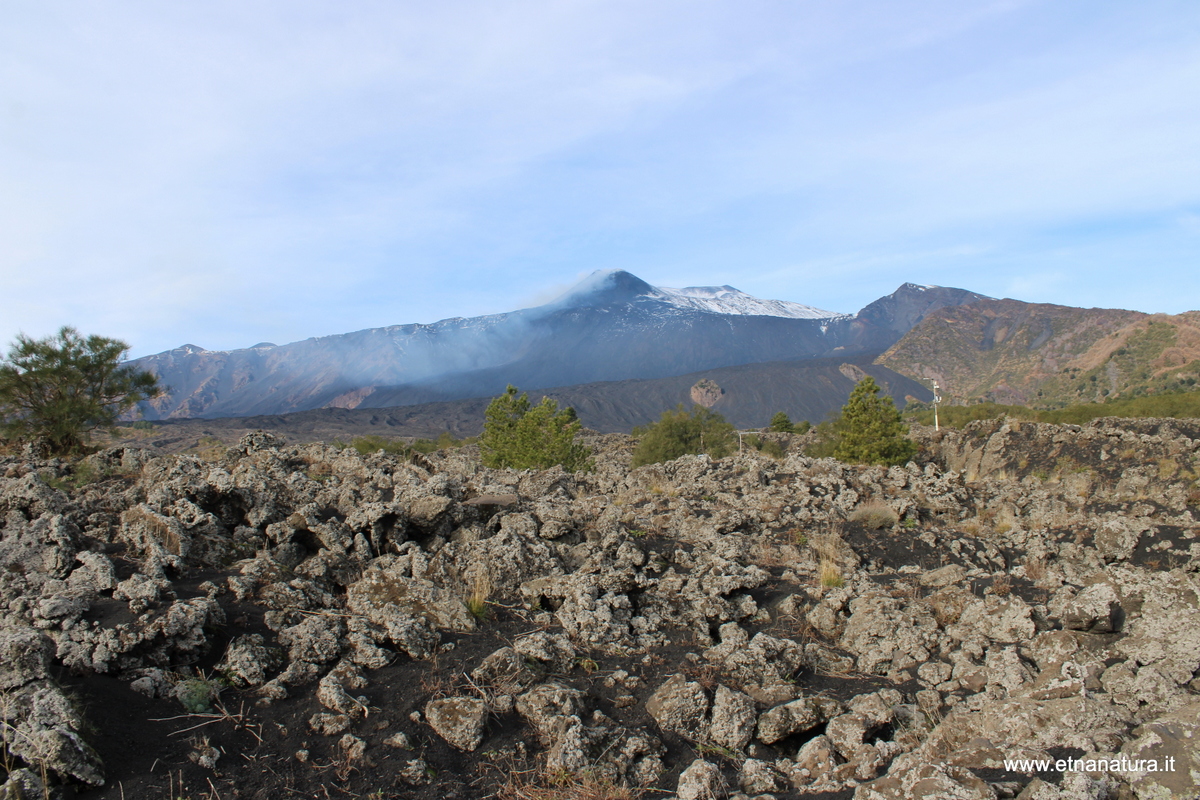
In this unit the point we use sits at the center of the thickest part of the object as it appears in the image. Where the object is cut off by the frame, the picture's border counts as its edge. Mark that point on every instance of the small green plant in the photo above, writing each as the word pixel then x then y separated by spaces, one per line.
pixel 586 664
pixel 719 751
pixel 637 533
pixel 197 694
pixel 320 471
pixel 478 607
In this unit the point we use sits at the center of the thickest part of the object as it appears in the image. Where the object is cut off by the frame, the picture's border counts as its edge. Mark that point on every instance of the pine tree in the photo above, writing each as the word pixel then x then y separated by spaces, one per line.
pixel 869 430
pixel 781 423
pixel 520 435
pixel 59 388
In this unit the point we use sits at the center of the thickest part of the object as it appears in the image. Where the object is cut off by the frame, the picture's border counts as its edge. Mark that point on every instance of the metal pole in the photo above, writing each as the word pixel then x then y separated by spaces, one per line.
pixel 936 399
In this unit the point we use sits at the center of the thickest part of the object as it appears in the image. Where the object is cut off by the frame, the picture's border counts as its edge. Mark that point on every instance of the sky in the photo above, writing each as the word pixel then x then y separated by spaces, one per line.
pixel 232 172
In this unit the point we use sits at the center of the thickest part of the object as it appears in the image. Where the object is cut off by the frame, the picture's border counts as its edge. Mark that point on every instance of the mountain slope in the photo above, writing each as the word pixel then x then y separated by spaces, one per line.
pixel 748 396
pixel 612 326
pixel 1038 354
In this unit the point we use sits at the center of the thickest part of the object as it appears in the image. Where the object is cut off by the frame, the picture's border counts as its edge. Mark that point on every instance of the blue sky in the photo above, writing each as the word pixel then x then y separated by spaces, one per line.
pixel 227 173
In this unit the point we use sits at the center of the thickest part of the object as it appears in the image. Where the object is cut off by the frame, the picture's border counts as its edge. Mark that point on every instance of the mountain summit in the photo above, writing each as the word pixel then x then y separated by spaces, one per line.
pixel 610 326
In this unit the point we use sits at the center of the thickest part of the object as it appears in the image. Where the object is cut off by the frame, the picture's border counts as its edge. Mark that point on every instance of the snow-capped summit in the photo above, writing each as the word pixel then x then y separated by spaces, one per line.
pixel 606 286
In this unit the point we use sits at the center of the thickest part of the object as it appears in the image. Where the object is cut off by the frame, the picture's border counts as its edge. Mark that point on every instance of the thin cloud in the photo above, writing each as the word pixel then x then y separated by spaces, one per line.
pixel 234 173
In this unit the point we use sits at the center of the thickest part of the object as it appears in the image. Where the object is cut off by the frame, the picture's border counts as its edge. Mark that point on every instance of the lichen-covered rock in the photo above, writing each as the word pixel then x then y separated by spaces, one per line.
pixel 700 781
pixel 458 720
pixel 24 655
pixel 545 706
pixel 927 782
pixel 733 719
pixel 1003 620
pixel 1045 597
pixel 680 706
pixel 388 597
pixel 1096 609
pixel 46 733
pixel 247 661
pixel 754 662
pixel 887 635
pixel 1171 744
pixel 759 777
pixel 553 650
pixel 814 763
pixel 314 640
pixel 796 716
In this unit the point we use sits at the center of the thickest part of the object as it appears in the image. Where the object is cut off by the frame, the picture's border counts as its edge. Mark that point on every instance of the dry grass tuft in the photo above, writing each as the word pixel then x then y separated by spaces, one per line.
pixel 563 785
pixel 481 590
pixel 875 515
pixel 831 575
pixel 1035 569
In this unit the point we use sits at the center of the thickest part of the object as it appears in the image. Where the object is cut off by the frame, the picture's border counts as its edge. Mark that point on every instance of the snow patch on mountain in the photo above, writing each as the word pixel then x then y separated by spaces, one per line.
pixel 728 300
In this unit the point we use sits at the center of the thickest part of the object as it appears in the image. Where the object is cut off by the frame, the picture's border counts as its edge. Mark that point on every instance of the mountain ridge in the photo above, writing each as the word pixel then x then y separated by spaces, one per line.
pixel 1041 354
pixel 611 326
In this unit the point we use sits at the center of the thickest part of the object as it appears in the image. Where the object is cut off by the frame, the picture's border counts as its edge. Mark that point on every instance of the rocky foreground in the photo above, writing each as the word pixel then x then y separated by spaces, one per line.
pixel 307 622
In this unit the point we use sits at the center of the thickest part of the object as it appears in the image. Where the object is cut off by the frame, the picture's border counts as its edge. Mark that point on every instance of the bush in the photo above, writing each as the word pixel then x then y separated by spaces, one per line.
pixel 373 443
pixel 520 435
pixel 768 447
pixel 679 433
pixel 60 388
pixel 781 423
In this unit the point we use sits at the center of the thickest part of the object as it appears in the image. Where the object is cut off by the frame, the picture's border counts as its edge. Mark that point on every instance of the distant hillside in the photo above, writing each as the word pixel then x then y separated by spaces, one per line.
pixel 747 396
pixel 1168 405
pixel 1007 351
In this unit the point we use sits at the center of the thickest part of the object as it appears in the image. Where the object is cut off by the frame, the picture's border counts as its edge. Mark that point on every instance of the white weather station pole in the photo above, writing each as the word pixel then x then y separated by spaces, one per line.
pixel 937 398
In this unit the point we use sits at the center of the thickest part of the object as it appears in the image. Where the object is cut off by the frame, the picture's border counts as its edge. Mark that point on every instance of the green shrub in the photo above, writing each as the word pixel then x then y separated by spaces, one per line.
pixel 680 432
pixel 366 445
pixel 768 447
pixel 520 435
pixel 780 423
